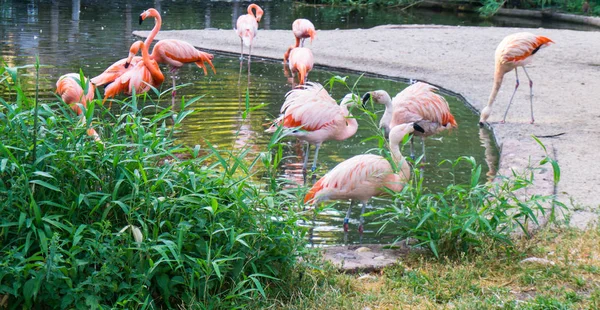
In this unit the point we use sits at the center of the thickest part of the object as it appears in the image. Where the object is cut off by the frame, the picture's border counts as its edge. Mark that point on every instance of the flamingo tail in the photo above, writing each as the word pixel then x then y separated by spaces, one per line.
pixel 301 74
pixel 247 38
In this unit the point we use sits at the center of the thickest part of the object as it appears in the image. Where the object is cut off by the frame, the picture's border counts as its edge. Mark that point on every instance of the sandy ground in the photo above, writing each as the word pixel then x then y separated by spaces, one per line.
pixel 566 79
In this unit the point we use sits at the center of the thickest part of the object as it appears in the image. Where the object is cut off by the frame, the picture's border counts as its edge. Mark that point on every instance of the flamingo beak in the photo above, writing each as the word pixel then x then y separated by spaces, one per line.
pixel 141 19
pixel 366 97
pixel 126 65
pixel 418 128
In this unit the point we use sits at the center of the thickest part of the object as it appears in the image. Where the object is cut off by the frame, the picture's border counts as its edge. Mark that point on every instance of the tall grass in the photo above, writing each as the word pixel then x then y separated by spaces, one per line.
pixel 138 221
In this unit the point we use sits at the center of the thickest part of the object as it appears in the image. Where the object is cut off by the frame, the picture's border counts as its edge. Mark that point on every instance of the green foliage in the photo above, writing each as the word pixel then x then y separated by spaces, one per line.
pixel 490 7
pixel 136 221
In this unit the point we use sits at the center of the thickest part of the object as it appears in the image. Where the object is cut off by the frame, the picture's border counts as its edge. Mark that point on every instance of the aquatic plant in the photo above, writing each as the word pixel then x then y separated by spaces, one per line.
pixel 138 221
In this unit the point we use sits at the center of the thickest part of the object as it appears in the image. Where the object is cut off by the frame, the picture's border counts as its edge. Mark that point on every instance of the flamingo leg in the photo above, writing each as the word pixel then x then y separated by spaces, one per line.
pixel 530 94
pixel 347 218
pixel 173 93
pixel 314 166
pixel 511 97
pixel 362 219
pixel 242 50
pixel 305 161
pixel 412 148
pixel 249 58
pixel 423 143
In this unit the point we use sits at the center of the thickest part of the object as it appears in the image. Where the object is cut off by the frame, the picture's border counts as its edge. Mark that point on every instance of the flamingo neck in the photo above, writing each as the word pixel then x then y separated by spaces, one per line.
pixel 257 10
pixel 386 118
pixel 152 66
pixel 498 76
pixel 155 30
pixel 351 124
pixel 402 164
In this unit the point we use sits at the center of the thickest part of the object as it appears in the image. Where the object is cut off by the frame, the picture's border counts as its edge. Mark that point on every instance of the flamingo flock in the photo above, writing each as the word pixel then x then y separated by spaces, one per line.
pixel 309 112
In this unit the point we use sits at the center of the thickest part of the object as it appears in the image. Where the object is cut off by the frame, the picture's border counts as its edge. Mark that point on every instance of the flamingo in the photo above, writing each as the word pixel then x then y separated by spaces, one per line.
pixel 301 61
pixel 516 50
pixel 365 176
pixel 303 29
pixel 140 77
pixel 247 27
pixel 68 87
pixel 418 104
pixel 316 117
pixel 173 52
pixel 119 68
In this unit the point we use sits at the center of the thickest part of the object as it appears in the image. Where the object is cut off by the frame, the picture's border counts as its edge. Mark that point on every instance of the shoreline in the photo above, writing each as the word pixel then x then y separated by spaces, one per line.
pixel 461 60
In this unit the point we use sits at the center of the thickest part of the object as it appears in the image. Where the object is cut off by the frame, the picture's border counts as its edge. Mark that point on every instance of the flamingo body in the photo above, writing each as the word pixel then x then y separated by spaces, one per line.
pixel 176 53
pixel 120 67
pixel 247 24
pixel 303 29
pixel 301 61
pixel 69 89
pixel 515 50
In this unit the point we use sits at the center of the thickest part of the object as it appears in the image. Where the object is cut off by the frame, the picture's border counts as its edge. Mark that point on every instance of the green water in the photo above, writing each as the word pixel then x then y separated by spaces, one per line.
pixel 98 33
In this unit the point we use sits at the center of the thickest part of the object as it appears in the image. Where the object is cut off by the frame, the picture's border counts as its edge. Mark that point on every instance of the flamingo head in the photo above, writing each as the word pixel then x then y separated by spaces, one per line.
pixel 133 50
pixel 312 33
pixel 149 13
pixel 378 96
pixel 350 100
pixel 398 133
pixel 259 13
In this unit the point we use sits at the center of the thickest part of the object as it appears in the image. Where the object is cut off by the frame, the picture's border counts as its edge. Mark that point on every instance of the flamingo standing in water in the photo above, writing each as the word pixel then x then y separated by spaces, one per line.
pixel 246 29
pixel 173 52
pixel 364 176
pixel 68 87
pixel 301 61
pixel 303 29
pixel 418 104
pixel 316 117
pixel 516 50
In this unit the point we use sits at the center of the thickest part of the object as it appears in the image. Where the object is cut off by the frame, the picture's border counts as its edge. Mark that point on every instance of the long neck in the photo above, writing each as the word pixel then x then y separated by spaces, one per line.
pixel 150 38
pixel 250 7
pixel 498 76
pixel 386 118
pixel 152 66
pixel 351 125
pixel 400 161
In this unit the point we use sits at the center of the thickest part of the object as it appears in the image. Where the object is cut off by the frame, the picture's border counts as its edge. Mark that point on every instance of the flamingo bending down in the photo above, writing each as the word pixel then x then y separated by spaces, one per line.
pixel 119 68
pixel 303 29
pixel 418 104
pixel 140 77
pixel 173 52
pixel 247 27
pixel 316 117
pixel 364 176
pixel 516 50
pixel 68 87
pixel 301 61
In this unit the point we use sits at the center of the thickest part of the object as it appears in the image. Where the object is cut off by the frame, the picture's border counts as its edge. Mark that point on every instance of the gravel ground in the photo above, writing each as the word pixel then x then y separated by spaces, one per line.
pixel 461 59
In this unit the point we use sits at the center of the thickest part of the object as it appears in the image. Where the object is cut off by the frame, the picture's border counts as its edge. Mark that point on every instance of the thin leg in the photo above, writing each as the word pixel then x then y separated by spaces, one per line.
pixel 305 161
pixel 249 58
pixel 511 97
pixel 241 62
pixel 173 92
pixel 347 218
pixel 242 50
pixel 530 94
pixel 362 219
pixel 423 143
pixel 412 148
pixel 314 166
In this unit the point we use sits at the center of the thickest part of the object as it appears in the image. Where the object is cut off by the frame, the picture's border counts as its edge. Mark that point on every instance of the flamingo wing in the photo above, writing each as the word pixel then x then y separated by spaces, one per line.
pixel 114 71
pixel 311 92
pixel 519 46
pixel 177 52
pixel 359 177
pixel 419 102
pixel 246 28
pixel 69 89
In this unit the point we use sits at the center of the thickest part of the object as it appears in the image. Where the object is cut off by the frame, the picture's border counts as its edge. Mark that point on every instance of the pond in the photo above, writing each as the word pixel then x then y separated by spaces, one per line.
pixel 100 33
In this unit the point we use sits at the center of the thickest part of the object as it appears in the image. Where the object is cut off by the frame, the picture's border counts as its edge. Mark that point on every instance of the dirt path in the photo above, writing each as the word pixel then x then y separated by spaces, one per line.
pixel 566 79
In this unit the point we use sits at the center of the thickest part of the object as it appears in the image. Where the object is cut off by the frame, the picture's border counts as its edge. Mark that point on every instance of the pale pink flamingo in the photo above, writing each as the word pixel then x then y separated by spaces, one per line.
pixel 418 104
pixel 246 29
pixel 144 75
pixel 303 29
pixel 516 50
pixel 365 176
pixel 316 117
pixel 173 52
pixel 68 87
pixel 301 61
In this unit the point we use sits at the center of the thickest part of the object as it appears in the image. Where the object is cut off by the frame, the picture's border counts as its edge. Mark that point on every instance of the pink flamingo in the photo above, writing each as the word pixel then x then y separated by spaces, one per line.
pixel 173 52
pixel 303 29
pixel 316 117
pixel 516 50
pixel 418 104
pixel 140 77
pixel 301 61
pixel 119 68
pixel 68 87
pixel 247 27
pixel 365 176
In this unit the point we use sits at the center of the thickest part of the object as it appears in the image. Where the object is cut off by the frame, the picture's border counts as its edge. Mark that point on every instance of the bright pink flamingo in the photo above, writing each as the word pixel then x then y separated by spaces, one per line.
pixel 247 27
pixel 300 61
pixel 173 52
pixel 316 117
pixel 516 50
pixel 68 87
pixel 303 29
pixel 418 104
pixel 140 77
pixel 364 176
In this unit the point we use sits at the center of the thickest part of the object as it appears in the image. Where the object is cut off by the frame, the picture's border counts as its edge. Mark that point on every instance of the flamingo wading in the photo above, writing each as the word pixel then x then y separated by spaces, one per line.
pixel 246 29
pixel 516 50
pixel 316 117
pixel 365 176
pixel 301 61
pixel 418 104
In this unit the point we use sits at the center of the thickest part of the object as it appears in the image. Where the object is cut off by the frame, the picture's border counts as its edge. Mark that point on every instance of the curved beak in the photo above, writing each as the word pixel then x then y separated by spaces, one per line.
pixel 141 19
pixel 127 65
pixel 418 128
pixel 366 97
